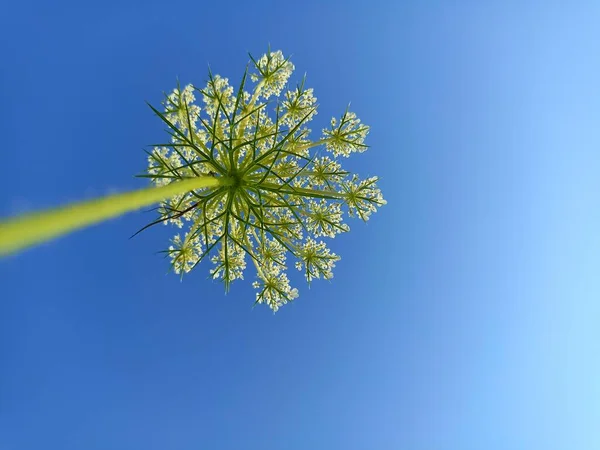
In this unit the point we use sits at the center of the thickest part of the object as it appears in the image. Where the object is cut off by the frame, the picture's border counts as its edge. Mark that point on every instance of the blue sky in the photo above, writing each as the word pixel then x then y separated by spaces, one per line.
pixel 464 315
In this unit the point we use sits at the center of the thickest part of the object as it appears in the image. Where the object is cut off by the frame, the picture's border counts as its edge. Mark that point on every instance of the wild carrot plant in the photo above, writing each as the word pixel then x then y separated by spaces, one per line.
pixel 243 180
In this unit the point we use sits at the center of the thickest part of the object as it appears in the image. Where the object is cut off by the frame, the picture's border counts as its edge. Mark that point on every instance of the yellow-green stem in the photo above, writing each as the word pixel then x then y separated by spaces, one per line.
pixel 24 231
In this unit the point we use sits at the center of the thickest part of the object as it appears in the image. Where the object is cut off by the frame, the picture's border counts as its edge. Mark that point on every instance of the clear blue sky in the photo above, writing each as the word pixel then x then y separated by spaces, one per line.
pixel 464 315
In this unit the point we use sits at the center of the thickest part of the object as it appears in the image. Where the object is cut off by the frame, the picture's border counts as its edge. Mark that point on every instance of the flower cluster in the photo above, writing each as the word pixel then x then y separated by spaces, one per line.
pixel 279 191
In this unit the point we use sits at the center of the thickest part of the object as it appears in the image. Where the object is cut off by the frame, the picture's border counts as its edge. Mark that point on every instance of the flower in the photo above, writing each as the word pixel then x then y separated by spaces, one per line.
pixel 346 135
pixel 278 191
pixel 316 260
pixel 272 73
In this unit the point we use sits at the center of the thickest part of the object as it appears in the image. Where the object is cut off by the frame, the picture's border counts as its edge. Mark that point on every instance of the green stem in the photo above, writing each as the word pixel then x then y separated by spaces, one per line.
pixel 24 231
pixel 272 187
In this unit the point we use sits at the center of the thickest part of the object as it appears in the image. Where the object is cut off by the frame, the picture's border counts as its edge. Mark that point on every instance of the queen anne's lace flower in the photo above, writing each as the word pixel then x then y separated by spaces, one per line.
pixel 316 260
pixel 272 72
pixel 276 193
pixel 184 254
pixel 325 218
pixel 299 106
pixel 218 96
pixel 362 197
pixel 346 135
pixel 180 110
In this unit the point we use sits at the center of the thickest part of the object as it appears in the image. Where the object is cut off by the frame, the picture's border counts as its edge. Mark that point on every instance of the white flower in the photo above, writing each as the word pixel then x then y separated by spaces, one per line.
pixel 346 136
pixel 272 252
pixel 325 219
pixel 180 110
pixel 326 171
pixel 184 254
pixel 363 197
pixel 218 96
pixel 274 289
pixel 230 262
pixel 316 260
pixel 299 105
pixel 273 72
pixel 275 192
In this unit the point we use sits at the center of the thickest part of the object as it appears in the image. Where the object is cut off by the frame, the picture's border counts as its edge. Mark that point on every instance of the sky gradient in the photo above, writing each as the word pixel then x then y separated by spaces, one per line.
pixel 464 315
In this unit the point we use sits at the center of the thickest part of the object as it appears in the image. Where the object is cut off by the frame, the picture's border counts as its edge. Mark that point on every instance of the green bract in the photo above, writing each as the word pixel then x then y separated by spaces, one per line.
pixel 278 192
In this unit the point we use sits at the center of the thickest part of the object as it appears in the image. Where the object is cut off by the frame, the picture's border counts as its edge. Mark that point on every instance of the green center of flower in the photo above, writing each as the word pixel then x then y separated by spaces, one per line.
pixel 236 179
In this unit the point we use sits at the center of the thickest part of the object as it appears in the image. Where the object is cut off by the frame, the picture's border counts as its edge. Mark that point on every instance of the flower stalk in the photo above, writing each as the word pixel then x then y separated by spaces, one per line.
pixel 30 229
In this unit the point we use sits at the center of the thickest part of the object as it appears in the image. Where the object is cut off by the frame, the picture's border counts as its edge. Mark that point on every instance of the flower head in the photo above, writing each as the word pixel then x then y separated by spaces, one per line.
pixel 278 191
